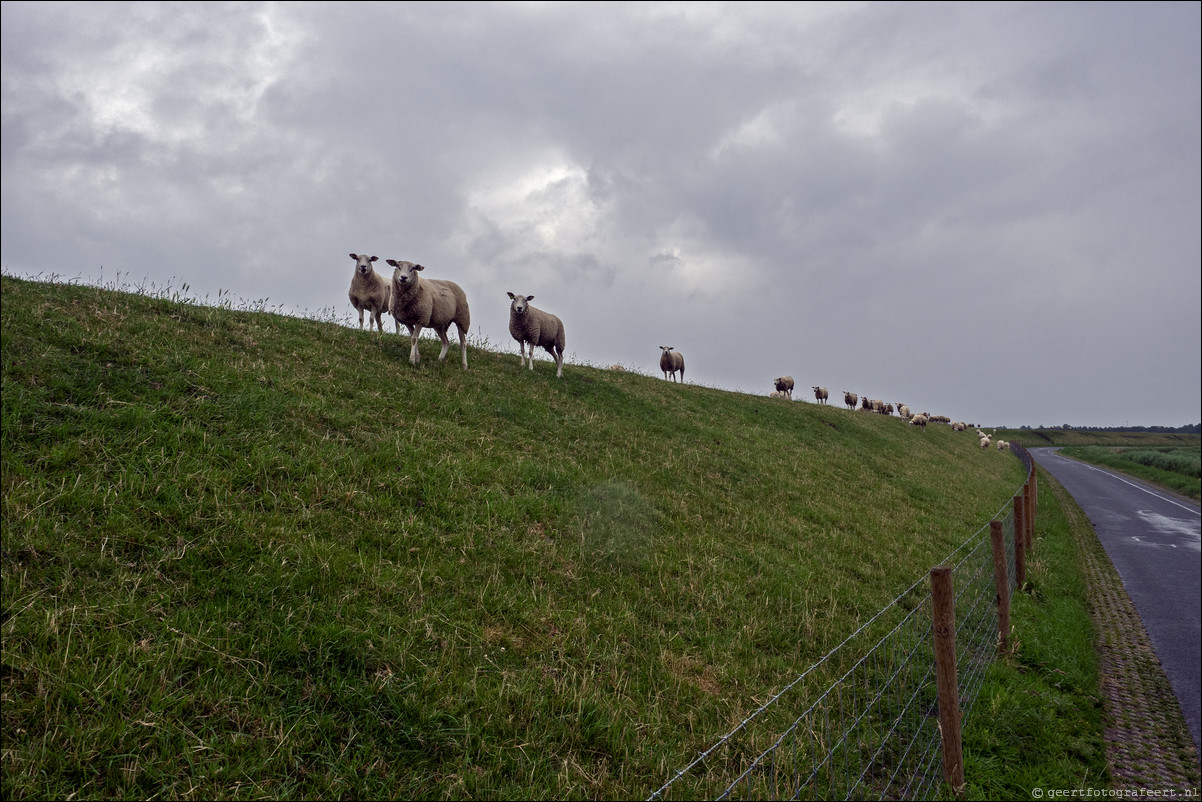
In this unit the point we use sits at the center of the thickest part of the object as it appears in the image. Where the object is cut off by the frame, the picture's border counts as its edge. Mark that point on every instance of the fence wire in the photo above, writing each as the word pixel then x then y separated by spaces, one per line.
pixel 869 728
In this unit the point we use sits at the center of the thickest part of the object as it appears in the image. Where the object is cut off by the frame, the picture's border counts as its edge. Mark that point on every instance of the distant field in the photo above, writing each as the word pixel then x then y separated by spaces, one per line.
pixel 1035 438
pixel 1179 468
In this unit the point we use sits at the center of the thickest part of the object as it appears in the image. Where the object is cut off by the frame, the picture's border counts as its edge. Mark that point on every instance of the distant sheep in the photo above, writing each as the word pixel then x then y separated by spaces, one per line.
pixel 615 367
pixel 784 384
pixel 370 291
pixel 437 303
pixel 1002 444
pixel 850 399
pixel 919 420
pixel 903 411
pixel 821 395
pixel 779 394
pixel 958 426
pixel 671 361
pixel 530 325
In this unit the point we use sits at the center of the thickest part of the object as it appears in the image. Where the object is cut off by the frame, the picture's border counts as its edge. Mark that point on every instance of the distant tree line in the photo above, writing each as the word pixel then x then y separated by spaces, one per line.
pixel 1195 428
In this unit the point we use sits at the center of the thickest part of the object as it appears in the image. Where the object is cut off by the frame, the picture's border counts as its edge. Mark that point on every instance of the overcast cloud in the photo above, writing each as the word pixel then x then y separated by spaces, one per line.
pixel 989 211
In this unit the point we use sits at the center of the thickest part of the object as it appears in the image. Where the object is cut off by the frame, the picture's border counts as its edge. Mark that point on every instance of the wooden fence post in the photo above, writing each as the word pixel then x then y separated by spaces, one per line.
pixel 1001 581
pixel 943 614
pixel 1029 505
pixel 1020 542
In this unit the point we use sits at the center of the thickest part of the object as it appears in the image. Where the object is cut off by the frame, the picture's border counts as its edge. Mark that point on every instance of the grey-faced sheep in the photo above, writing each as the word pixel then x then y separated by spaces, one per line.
pixel 671 361
pixel 903 411
pixel 784 384
pixel 850 399
pixel 530 325
pixel 821 394
pixel 370 291
pixel 419 302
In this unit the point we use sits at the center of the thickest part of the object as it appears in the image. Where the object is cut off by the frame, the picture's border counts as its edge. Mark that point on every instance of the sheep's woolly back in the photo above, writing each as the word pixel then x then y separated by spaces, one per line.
pixel 538 328
pixel 784 384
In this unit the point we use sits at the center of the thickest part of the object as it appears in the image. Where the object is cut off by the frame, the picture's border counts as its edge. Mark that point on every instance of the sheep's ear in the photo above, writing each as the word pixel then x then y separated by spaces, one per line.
pixel 391 262
pixel 529 297
pixel 419 267
pixel 510 294
pixel 374 258
pixel 355 256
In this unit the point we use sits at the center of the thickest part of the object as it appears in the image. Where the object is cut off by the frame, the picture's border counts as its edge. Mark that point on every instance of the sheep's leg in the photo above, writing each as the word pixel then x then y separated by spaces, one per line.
pixel 360 319
pixel 558 364
pixel 446 344
pixel 462 345
pixel 415 356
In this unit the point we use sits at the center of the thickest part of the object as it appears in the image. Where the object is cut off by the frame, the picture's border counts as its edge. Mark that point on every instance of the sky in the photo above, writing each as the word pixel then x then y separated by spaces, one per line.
pixel 991 211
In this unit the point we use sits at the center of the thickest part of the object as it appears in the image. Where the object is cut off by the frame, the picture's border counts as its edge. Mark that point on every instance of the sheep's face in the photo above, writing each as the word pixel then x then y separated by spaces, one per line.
pixel 404 273
pixel 363 263
pixel 519 303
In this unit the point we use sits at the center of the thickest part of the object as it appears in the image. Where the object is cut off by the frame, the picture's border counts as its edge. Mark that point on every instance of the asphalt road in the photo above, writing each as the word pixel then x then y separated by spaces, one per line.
pixel 1154 540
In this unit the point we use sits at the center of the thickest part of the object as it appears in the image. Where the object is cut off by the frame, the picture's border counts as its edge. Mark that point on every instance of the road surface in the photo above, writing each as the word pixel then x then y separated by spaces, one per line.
pixel 1154 540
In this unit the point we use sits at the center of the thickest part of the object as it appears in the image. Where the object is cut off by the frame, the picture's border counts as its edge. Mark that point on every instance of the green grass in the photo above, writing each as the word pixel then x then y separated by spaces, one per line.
pixel 1178 468
pixel 251 555
pixel 1038 719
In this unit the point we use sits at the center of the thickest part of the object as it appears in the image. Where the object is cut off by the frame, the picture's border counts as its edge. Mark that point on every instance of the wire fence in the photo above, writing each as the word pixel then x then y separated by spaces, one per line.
pixel 868 726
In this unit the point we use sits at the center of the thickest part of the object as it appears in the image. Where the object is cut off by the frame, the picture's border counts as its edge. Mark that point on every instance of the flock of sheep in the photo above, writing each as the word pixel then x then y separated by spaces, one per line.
pixel 437 303
pixel 784 389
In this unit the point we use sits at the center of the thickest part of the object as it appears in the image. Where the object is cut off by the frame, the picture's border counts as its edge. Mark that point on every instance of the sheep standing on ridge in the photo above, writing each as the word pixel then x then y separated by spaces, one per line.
pixel 670 361
pixel 919 420
pixel 784 384
pixel 539 328
pixel 821 394
pixel 903 411
pixel 850 399
pixel 437 303
pixel 369 291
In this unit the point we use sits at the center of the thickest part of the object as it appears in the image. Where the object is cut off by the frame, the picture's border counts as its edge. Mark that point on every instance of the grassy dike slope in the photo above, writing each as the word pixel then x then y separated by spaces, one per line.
pixel 252 555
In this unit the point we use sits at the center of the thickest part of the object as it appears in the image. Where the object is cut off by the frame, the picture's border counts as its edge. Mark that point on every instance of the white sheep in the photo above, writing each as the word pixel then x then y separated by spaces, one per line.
pixel 778 394
pixel 821 394
pixel 984 441
pixel 370 291
pixel 539 328
pixel 958 426
pixel 616 368
pixel 671 361
pixel 919 420
pixel 903 411
pixel 419 302
pixel 850 399
pixel 1002 444
pixel 784 384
